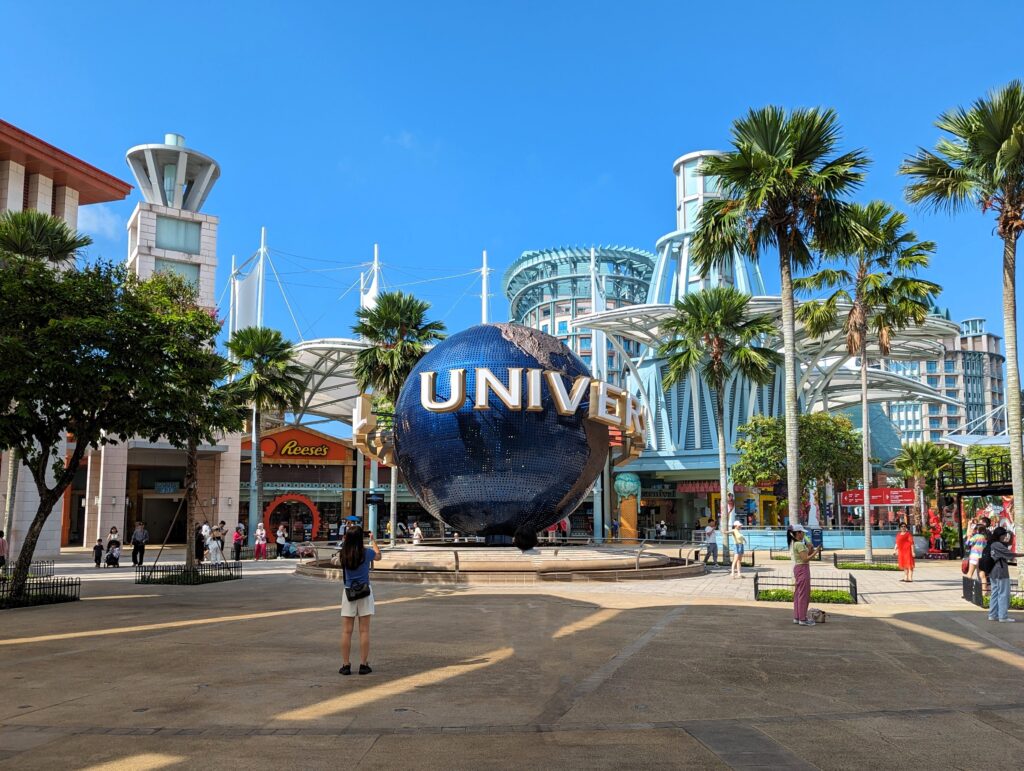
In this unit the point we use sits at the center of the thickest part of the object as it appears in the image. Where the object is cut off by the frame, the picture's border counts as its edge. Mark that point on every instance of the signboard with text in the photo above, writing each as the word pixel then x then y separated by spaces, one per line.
pixel 880 496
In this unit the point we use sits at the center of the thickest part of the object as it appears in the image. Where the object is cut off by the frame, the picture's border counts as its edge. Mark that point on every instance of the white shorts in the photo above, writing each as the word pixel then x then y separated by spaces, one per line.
pixel 351 608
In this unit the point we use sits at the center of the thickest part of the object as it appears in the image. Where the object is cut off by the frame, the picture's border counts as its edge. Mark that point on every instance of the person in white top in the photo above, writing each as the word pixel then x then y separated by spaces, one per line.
pixel 711 543
pixel 417 534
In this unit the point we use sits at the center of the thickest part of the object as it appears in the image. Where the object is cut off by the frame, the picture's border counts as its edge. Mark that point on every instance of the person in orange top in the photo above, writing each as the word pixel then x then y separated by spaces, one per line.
pixel 905 552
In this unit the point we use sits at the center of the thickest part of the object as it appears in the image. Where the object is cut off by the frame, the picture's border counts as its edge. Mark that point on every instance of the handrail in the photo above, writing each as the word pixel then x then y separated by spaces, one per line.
pixel 639 552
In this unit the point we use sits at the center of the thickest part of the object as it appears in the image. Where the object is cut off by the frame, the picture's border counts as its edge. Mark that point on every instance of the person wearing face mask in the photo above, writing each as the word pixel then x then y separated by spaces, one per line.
pixel 999 576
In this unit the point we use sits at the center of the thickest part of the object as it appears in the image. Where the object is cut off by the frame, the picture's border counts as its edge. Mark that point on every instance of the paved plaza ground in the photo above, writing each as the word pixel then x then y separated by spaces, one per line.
pixel 680 673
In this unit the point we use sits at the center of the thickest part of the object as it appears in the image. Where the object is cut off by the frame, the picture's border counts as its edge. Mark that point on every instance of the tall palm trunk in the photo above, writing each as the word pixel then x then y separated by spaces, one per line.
pixel 1013 425
pixel 723 472
pixel 255 476
pixel 789 354
pixel 865 450
pixel 393 508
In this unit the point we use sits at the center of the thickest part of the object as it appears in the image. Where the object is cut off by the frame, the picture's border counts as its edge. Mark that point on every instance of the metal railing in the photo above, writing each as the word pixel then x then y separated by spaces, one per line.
pixel 975 592
pixel 41 591
pixel 976 473
pixel 40 569
pixel 881 559
pixel 781 555
pixel 205 573
pixel 763 583
pixel 247 551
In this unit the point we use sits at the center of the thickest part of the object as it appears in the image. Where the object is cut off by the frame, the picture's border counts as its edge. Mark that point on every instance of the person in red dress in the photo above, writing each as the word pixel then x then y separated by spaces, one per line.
pixel 905 552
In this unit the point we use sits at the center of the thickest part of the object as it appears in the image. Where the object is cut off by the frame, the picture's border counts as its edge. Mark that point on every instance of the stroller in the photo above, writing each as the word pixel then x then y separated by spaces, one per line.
pixel 113 559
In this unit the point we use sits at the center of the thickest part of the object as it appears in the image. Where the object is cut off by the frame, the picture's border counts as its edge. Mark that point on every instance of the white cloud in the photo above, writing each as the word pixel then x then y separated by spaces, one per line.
pixel 100 222
pixel 404 139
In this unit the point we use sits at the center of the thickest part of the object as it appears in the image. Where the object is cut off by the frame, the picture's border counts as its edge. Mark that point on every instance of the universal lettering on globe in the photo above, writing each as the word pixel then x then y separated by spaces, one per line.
pixel 608 404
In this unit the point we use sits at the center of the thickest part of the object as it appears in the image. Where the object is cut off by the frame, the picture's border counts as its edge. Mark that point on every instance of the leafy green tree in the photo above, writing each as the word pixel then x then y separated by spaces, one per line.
pixel 713 335
pixel 268 381
pixel 979 163
pixel 829 449
pixel 874 294
pixel 783 187
pixel 921 461
pixel 36 235
pixel 85 353
pixel 397 334
pixel 197 405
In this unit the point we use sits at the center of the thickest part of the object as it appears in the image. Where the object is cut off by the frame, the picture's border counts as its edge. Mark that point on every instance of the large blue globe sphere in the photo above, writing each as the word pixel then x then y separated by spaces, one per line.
pixel 489 472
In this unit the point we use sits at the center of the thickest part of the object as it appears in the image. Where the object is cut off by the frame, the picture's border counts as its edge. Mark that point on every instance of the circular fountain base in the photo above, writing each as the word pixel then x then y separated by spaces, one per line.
pixel 484 565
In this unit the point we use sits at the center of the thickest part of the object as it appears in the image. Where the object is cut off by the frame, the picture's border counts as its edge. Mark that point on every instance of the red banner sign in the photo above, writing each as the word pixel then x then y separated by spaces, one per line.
pixel 880 496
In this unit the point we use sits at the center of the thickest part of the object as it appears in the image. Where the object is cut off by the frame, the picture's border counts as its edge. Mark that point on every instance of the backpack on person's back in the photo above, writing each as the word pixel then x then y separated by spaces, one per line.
pixel 986 564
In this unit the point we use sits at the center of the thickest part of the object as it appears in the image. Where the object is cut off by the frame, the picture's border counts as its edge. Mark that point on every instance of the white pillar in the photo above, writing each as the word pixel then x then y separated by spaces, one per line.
pixel 360 494
pixel 373 488
pixel 40 193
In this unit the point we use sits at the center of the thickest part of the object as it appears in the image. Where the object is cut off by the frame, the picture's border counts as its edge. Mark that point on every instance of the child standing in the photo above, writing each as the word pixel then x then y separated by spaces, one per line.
pixel 97 552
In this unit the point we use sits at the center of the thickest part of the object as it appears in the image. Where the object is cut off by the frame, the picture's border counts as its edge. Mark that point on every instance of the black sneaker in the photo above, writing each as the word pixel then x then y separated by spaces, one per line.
pixel 364 669
pixel 346 669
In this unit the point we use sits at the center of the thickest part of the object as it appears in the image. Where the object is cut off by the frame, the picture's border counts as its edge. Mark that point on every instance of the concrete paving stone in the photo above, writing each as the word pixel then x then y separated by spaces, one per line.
pixel 499 666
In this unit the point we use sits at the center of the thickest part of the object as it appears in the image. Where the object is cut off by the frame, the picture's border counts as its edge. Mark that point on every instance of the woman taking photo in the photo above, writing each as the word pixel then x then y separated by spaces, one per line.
pixel 357 597
pixel 905 552
pixel 802 554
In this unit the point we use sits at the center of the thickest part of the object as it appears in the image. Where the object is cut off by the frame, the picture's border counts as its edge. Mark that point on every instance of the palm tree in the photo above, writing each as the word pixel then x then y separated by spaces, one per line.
pixel 981 164
pixel 34 234
pixel 883 296
pixel 782 187
pixel 398 334
pixel 712 334
pixel 267 381
pixel 922 461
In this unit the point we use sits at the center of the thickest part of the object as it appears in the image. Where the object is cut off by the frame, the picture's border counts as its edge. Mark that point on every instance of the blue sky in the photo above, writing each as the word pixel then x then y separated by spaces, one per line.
pixel 441 129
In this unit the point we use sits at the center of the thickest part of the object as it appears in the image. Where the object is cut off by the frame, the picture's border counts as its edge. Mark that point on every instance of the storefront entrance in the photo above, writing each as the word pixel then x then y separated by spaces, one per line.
pixel 298 513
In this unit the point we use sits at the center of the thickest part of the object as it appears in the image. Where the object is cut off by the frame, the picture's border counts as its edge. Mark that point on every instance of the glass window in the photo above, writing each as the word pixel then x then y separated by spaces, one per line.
pixel 933 409
pixel 691 179
pixel 186 270
pixel 691 208
pixel 179 235
pixel 585 343
pixel 935 436
pixel 951 410
pixel 544 328
pixel 586 359
pixel 934 422
pixel 950 365
pixel 933 381
pixel 563 327
pixel 711 185
pixel 951 395
pixel 933 366
pixel 950 381
pixel 611 361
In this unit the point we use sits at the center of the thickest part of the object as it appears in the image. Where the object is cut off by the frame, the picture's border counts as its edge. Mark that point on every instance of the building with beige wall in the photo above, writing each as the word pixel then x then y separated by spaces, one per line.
pixel 134 480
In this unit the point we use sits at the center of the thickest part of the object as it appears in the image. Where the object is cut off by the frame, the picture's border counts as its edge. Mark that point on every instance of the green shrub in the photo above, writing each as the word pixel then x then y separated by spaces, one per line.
pixel 838 596
pixel 1016 603
pixel 867 566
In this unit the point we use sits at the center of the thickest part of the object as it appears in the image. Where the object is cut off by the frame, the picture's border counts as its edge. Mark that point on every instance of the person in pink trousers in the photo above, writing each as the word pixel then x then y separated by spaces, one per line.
pixel 801 554
pixel 259 550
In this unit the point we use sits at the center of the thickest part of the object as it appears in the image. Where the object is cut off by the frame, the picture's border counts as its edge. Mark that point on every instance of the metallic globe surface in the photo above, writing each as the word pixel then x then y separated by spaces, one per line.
pixel 627 484
pixel 488 472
